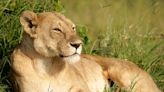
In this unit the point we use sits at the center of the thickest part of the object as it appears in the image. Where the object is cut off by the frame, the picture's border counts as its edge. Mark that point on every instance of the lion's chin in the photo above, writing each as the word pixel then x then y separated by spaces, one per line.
pixel 72 58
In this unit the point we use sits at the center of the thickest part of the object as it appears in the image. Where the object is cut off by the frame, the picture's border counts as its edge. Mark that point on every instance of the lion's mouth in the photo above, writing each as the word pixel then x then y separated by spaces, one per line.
pixel 64 56
pixel 71 58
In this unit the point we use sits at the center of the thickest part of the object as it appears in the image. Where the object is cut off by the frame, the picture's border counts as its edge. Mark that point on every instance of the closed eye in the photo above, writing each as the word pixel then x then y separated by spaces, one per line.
pixel 57 29
pixel 74 28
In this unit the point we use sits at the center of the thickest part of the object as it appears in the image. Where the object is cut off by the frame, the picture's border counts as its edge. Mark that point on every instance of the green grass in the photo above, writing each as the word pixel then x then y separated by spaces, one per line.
pixel 125 29
pixel 10 30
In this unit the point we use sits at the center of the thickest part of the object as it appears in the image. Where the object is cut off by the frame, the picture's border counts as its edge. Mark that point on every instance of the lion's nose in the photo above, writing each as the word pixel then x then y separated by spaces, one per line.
pixel 75 45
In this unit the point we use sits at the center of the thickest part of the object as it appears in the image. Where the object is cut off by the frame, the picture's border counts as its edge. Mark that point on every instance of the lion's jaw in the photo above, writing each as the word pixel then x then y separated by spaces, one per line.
pixel 51 36
pixel 72 59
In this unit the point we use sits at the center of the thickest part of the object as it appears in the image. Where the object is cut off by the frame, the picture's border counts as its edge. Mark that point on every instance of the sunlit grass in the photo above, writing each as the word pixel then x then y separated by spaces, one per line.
pixel 127 29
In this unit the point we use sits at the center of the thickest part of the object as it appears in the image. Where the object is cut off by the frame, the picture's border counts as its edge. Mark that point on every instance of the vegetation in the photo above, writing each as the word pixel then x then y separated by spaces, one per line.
pixel 118 28
pixel 11 31
pixel 127 29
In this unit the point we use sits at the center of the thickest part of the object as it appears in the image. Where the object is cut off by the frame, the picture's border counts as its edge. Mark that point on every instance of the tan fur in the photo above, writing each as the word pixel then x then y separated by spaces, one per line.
pixel 49 60
pixel 126 74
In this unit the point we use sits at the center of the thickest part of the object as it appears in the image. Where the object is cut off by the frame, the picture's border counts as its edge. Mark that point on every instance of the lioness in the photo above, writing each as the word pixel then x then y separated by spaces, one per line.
pixel 49 60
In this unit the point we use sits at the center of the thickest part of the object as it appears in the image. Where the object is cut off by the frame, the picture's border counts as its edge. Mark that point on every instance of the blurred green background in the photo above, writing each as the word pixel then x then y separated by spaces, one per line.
pixel 97 15
pixel 127 29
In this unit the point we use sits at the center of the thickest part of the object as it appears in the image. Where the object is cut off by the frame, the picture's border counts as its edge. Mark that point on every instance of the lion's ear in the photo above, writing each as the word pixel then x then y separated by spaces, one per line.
pixel 28 20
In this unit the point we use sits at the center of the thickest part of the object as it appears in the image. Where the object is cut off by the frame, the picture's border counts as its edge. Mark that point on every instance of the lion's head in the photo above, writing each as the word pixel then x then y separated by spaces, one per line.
pixel 52 35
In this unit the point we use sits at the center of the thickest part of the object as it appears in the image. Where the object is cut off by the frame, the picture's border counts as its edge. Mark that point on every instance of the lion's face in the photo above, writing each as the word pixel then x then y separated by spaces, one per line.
pixel 53 35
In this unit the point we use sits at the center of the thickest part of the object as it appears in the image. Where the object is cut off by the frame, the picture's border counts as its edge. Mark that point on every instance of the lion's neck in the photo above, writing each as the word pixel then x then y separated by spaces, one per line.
pixel 41 64
pixel 27 46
